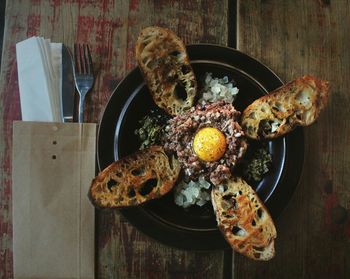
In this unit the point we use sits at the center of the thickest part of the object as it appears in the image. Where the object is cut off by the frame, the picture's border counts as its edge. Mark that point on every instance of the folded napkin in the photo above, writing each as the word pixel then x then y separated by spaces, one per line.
pixel 39 64
pixel 53 219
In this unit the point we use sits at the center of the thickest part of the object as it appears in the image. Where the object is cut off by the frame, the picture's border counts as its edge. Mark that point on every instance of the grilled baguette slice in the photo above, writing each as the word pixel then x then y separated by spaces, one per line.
pixel 298 103
pixel 135 179
pixel 164 62
pixel 244 220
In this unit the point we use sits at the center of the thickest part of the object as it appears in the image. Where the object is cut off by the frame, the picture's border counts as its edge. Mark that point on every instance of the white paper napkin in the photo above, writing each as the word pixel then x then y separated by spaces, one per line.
pixel 39 64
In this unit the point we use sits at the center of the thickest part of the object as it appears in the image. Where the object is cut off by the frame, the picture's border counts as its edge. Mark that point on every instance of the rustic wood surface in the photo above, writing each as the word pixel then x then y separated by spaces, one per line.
pixel 291 37
pixel 296 38
pixel 110 27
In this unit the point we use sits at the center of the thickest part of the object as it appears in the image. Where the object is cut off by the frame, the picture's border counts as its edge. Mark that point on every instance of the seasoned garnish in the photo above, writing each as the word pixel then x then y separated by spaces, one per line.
pixel 258 165
pixel 151 130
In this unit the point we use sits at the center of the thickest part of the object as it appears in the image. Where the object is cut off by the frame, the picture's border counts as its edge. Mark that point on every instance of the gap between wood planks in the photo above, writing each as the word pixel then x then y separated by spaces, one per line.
pixel 232 23
pixel 231 42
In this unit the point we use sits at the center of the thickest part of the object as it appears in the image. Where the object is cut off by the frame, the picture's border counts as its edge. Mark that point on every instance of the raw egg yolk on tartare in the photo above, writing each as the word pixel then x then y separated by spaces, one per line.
pixel 209 144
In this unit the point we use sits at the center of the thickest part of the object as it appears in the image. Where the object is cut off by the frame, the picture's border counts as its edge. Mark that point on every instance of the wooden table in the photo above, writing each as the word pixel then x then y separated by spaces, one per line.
pixel 292 37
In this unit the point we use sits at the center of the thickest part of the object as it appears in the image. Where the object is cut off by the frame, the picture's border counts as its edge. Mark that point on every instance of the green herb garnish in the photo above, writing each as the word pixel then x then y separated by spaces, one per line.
pixel 150 131
pixel 258 165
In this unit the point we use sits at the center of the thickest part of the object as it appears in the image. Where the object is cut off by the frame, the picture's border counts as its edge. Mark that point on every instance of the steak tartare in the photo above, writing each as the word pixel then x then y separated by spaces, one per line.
pixel 182 129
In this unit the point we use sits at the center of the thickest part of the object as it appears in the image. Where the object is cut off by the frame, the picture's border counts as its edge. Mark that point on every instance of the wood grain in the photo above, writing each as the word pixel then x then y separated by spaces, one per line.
pixel 110 27
pixel 296 38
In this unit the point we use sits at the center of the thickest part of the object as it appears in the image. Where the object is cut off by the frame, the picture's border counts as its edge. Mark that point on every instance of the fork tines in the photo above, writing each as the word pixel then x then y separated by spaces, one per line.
pixel 83 74
pixel 82 57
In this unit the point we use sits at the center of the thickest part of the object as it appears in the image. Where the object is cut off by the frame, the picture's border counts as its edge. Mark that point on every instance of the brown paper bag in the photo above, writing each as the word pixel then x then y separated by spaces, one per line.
pixel 53 220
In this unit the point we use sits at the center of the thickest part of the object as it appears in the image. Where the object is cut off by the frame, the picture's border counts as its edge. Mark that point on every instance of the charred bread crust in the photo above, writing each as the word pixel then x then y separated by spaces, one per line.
pixel 298 103
pixel 165 65
pixel 140 177
pixel 244 220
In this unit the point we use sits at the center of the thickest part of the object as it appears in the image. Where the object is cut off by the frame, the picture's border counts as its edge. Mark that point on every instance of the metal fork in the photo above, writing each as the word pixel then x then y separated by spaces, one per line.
pixel 83 75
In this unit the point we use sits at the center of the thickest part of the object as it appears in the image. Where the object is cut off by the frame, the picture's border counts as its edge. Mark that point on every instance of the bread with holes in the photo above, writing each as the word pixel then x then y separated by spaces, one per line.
pixel 244 220
pixel 164 63
pixel 137 178
pixel 298 103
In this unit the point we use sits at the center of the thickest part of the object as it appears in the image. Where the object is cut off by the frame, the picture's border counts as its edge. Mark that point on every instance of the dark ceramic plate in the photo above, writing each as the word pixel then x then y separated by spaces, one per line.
pixel 195 227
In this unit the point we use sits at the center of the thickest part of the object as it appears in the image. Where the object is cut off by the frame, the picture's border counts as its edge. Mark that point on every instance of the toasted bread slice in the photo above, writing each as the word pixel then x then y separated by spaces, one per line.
pixel 244 220
pixel 164 62
pixel 298 103
pixel 135 179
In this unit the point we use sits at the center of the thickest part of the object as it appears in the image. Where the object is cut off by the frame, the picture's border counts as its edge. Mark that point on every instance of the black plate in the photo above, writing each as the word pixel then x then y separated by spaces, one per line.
pixel 162 219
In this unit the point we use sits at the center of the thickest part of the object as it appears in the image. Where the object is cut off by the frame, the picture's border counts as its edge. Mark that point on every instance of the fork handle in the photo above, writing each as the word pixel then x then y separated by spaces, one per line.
pixel 81 109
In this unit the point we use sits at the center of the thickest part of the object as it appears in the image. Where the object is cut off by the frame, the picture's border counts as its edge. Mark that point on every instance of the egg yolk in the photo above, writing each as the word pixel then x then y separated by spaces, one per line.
pixel 209 144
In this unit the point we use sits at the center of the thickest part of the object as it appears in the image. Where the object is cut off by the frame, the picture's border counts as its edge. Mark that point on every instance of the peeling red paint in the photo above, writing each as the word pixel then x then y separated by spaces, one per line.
pixel 16 29
pixel 11 108
pixel 7 191
pixel 330 202
pixel 132 21
pixel 55 4
pixel 127 237
pixel 104 28
pixel 85 26
pixel 6 270
pixel 100 31
pixel 102 5
pixel 33 23
pixel 11 111
pixel 134 4
pixel 100 27
pixel 81 3
pixel 338 228
pixel 106 5
pixel 321 18
pixel 130 54
pixel 109 81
